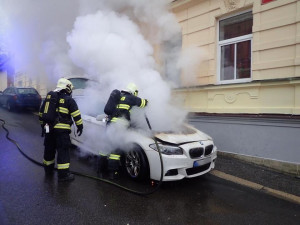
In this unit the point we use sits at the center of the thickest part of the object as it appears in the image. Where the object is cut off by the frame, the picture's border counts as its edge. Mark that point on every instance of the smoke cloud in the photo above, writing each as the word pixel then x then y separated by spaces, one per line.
pixel 35 33
pixel 113 50
pixel 109 41
pixel 189 62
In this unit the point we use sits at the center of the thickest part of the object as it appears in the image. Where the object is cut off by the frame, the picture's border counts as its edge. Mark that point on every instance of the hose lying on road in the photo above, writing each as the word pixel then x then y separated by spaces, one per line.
pixel 89 176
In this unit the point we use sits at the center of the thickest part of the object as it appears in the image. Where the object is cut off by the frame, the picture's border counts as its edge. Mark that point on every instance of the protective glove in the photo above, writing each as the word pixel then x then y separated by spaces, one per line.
pixel 79 131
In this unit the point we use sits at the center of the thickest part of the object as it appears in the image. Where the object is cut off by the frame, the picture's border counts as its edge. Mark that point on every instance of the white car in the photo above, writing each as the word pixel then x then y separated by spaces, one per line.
pixel 187 154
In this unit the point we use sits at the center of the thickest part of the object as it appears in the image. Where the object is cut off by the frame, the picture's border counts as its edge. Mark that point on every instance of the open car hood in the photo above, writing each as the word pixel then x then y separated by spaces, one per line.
pixel 186 134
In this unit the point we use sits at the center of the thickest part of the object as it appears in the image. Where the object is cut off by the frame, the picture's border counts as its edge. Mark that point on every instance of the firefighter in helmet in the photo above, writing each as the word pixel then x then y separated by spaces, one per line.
pixel 57 138
pixel 129 98
pixel 121 114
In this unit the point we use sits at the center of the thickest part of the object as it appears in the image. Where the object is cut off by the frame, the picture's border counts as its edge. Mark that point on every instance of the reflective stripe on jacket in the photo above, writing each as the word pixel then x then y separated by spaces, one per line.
pixel 127 101
pixel 67 109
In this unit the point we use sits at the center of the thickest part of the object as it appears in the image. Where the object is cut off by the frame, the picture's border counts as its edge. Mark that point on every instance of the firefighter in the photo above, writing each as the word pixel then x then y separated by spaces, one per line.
pixel 121 114
pixel 58 136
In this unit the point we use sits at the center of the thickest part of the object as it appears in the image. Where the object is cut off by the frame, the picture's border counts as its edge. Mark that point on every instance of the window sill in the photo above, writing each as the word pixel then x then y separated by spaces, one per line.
pixel 247 80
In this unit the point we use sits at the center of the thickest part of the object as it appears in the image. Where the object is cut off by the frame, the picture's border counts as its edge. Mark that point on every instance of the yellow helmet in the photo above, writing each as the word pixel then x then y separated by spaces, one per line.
pixel 64 84
pixel 132 89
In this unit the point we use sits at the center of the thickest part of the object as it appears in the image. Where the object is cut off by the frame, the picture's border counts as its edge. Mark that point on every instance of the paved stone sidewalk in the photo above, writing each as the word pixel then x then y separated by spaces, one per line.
pixel 259 174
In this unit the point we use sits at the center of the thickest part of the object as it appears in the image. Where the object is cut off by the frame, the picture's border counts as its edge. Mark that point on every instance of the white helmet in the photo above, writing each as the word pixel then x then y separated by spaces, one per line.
pixel 132 89
pixel 64 84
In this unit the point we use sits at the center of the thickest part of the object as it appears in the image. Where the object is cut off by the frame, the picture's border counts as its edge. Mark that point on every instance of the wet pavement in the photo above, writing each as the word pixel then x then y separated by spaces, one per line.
pixel 259 174
pixel 28 197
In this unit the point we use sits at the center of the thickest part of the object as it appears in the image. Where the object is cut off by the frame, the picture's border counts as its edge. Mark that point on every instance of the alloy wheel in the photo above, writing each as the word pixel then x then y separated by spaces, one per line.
pixel 133 163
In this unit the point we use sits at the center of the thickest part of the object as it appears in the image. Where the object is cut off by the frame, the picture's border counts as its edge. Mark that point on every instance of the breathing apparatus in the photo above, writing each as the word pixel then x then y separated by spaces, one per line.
pixel 93 177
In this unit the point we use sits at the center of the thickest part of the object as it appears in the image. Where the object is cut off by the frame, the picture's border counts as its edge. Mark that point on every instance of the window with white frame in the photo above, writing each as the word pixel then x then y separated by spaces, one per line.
pixel 235 41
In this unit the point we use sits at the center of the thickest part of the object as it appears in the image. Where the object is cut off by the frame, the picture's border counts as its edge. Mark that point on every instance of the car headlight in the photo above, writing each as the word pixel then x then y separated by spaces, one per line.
pixel 167 149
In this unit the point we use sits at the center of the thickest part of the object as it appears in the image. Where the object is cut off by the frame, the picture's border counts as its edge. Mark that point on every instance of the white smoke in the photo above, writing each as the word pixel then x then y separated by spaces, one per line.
pixel 111 47
pixel 35 35
pixel 111 41
pixel 190 62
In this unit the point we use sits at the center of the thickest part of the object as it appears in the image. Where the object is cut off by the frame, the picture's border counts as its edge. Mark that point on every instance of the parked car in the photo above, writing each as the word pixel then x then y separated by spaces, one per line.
pixel 187 153
pixel 19 97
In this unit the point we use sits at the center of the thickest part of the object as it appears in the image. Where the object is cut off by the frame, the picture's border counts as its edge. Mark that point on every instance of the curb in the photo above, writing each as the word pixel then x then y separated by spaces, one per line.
pixel 258 187
pixel 280 166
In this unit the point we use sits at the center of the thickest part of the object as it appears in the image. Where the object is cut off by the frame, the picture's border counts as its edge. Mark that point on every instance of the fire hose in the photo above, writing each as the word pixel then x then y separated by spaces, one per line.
pixel 94 177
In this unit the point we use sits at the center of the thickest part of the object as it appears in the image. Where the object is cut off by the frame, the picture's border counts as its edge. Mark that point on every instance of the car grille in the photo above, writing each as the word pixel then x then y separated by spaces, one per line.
pixel 208 150
pixel 196 152
pixel 199 169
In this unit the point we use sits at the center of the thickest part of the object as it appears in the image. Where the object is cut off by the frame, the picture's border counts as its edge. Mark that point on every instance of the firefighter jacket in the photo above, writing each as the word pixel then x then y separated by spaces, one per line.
pixel 126 102
pixel 66 110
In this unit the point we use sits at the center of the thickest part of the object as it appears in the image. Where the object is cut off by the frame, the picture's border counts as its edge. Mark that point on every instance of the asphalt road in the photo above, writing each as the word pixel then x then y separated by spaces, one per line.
pixel 27 197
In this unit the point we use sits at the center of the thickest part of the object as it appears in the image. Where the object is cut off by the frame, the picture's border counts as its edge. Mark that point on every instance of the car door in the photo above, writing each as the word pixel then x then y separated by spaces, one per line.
pixel 90 140
pixel 28 97
pixel 5 96
pixel 1 98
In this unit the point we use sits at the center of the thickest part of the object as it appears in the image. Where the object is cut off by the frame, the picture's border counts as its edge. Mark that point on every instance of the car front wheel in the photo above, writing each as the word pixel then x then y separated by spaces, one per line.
pixel 136 164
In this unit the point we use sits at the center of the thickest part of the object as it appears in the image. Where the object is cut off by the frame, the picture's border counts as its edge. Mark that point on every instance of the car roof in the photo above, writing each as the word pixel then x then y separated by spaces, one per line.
pixel 76 76
pixel 81 77
pixel 24 87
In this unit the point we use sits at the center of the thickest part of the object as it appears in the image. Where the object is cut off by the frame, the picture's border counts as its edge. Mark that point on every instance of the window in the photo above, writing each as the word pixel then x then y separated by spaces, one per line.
pixel 79 83
pixel 235 41
pixel 266 1
pixel 26 91
pixel 7 91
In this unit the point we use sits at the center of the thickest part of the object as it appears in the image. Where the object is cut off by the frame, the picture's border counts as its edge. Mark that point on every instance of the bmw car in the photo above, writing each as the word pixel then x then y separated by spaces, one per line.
pixel 187 154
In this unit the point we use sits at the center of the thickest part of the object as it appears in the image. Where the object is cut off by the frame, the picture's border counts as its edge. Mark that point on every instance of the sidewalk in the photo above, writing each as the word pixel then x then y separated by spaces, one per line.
pixel 257 174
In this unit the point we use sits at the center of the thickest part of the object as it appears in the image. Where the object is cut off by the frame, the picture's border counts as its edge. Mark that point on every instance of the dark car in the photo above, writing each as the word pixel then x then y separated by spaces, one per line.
pixel 17 98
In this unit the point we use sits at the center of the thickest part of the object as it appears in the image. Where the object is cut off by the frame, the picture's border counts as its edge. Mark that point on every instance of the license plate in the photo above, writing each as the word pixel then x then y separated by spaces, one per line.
pixel 201 162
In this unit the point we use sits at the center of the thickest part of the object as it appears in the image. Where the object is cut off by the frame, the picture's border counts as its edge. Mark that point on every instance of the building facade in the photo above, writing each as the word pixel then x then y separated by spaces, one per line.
pixel 250 70
pixel 6 72
pixel 247 90
pixel 253 55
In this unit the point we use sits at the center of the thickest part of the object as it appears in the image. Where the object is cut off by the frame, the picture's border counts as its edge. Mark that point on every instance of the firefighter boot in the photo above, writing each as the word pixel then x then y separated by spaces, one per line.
pixel 114 169
pixel 49 170
pixel 65 175
pixel 102 166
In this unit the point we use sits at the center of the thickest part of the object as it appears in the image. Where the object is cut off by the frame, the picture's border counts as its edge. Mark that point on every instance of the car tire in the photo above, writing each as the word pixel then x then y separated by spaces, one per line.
pixel 136 165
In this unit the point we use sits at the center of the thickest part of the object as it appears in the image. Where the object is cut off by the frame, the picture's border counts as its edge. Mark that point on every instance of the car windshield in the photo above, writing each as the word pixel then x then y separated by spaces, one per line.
pixel 79 83
pixel 26 91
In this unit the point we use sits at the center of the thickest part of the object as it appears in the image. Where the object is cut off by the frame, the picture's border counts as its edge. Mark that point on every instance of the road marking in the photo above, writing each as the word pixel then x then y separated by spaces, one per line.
pixel 259 187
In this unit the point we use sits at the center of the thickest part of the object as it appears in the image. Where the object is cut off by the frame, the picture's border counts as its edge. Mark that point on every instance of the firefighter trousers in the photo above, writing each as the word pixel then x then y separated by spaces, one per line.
pixel 57 141
pixel 109 162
